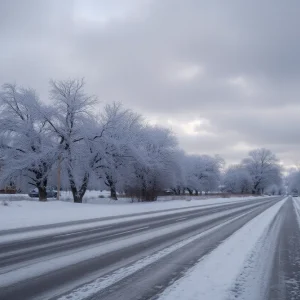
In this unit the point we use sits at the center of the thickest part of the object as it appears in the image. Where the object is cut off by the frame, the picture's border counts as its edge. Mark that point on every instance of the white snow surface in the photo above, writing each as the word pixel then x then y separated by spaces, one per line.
pixel 214 276
pixel 27 213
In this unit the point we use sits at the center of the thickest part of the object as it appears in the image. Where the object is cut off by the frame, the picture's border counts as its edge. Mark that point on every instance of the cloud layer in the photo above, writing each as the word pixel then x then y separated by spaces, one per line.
pixel 222 74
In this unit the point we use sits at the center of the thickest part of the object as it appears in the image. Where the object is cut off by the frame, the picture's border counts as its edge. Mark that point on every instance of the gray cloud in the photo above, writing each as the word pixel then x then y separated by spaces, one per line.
pixel 233 63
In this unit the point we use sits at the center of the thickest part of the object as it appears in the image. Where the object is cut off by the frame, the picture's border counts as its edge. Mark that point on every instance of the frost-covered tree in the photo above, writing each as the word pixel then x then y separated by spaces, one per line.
pixel 272 189
pixel 293 181
pixel 114 148
pixel 26 147
pixel 152 166
pixel 237 180
pixel 264 169
pixel 203 173
pixel 71 124
pixel 191 178
pixel 178 173
pixel 113 151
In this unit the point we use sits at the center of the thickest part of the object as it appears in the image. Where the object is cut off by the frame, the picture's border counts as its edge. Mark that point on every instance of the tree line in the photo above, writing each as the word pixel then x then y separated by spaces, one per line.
pixel 259 173
pixel 114 148
pixel 293 181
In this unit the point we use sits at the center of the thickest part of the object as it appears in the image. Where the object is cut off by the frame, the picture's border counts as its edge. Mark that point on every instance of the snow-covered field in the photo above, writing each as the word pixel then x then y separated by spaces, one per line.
pixel 25 213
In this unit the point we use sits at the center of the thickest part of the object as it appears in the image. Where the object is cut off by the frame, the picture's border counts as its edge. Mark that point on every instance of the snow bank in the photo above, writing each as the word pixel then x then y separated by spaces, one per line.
pixel 215 275
pixel 26 213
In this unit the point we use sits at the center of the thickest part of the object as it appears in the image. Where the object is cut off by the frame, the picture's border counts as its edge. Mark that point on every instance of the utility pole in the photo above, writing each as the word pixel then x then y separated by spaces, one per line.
pixel 58 177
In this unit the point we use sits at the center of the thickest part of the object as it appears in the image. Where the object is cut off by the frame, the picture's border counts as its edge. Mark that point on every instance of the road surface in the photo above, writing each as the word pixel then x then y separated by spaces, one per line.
pixel 140 258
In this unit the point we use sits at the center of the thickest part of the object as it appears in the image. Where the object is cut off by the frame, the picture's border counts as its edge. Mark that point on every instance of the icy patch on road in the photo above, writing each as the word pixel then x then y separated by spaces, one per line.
pixel 214 275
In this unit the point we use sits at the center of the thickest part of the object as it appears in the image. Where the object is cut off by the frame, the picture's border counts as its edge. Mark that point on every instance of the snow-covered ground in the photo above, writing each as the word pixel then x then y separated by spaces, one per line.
pixel 89 197
pixel 103 197
pixel 234 270
pixel 25 213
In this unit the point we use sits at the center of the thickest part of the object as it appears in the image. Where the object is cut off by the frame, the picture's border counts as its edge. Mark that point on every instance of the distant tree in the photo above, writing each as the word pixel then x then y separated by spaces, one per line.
pixel 293 181
pixel 203 173
pixel 263 168
pixel 272 189
pixel 237 180
pixel 178 173
pixel 114 149
pixel 152 167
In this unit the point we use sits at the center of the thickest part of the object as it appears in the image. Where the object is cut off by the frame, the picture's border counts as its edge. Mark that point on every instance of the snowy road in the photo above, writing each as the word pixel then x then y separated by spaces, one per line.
pixel 286 267
pixel 142 258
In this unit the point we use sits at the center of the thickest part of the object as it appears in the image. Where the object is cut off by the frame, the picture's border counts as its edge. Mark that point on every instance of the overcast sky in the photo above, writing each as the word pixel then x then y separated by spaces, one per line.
pixel 224 75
